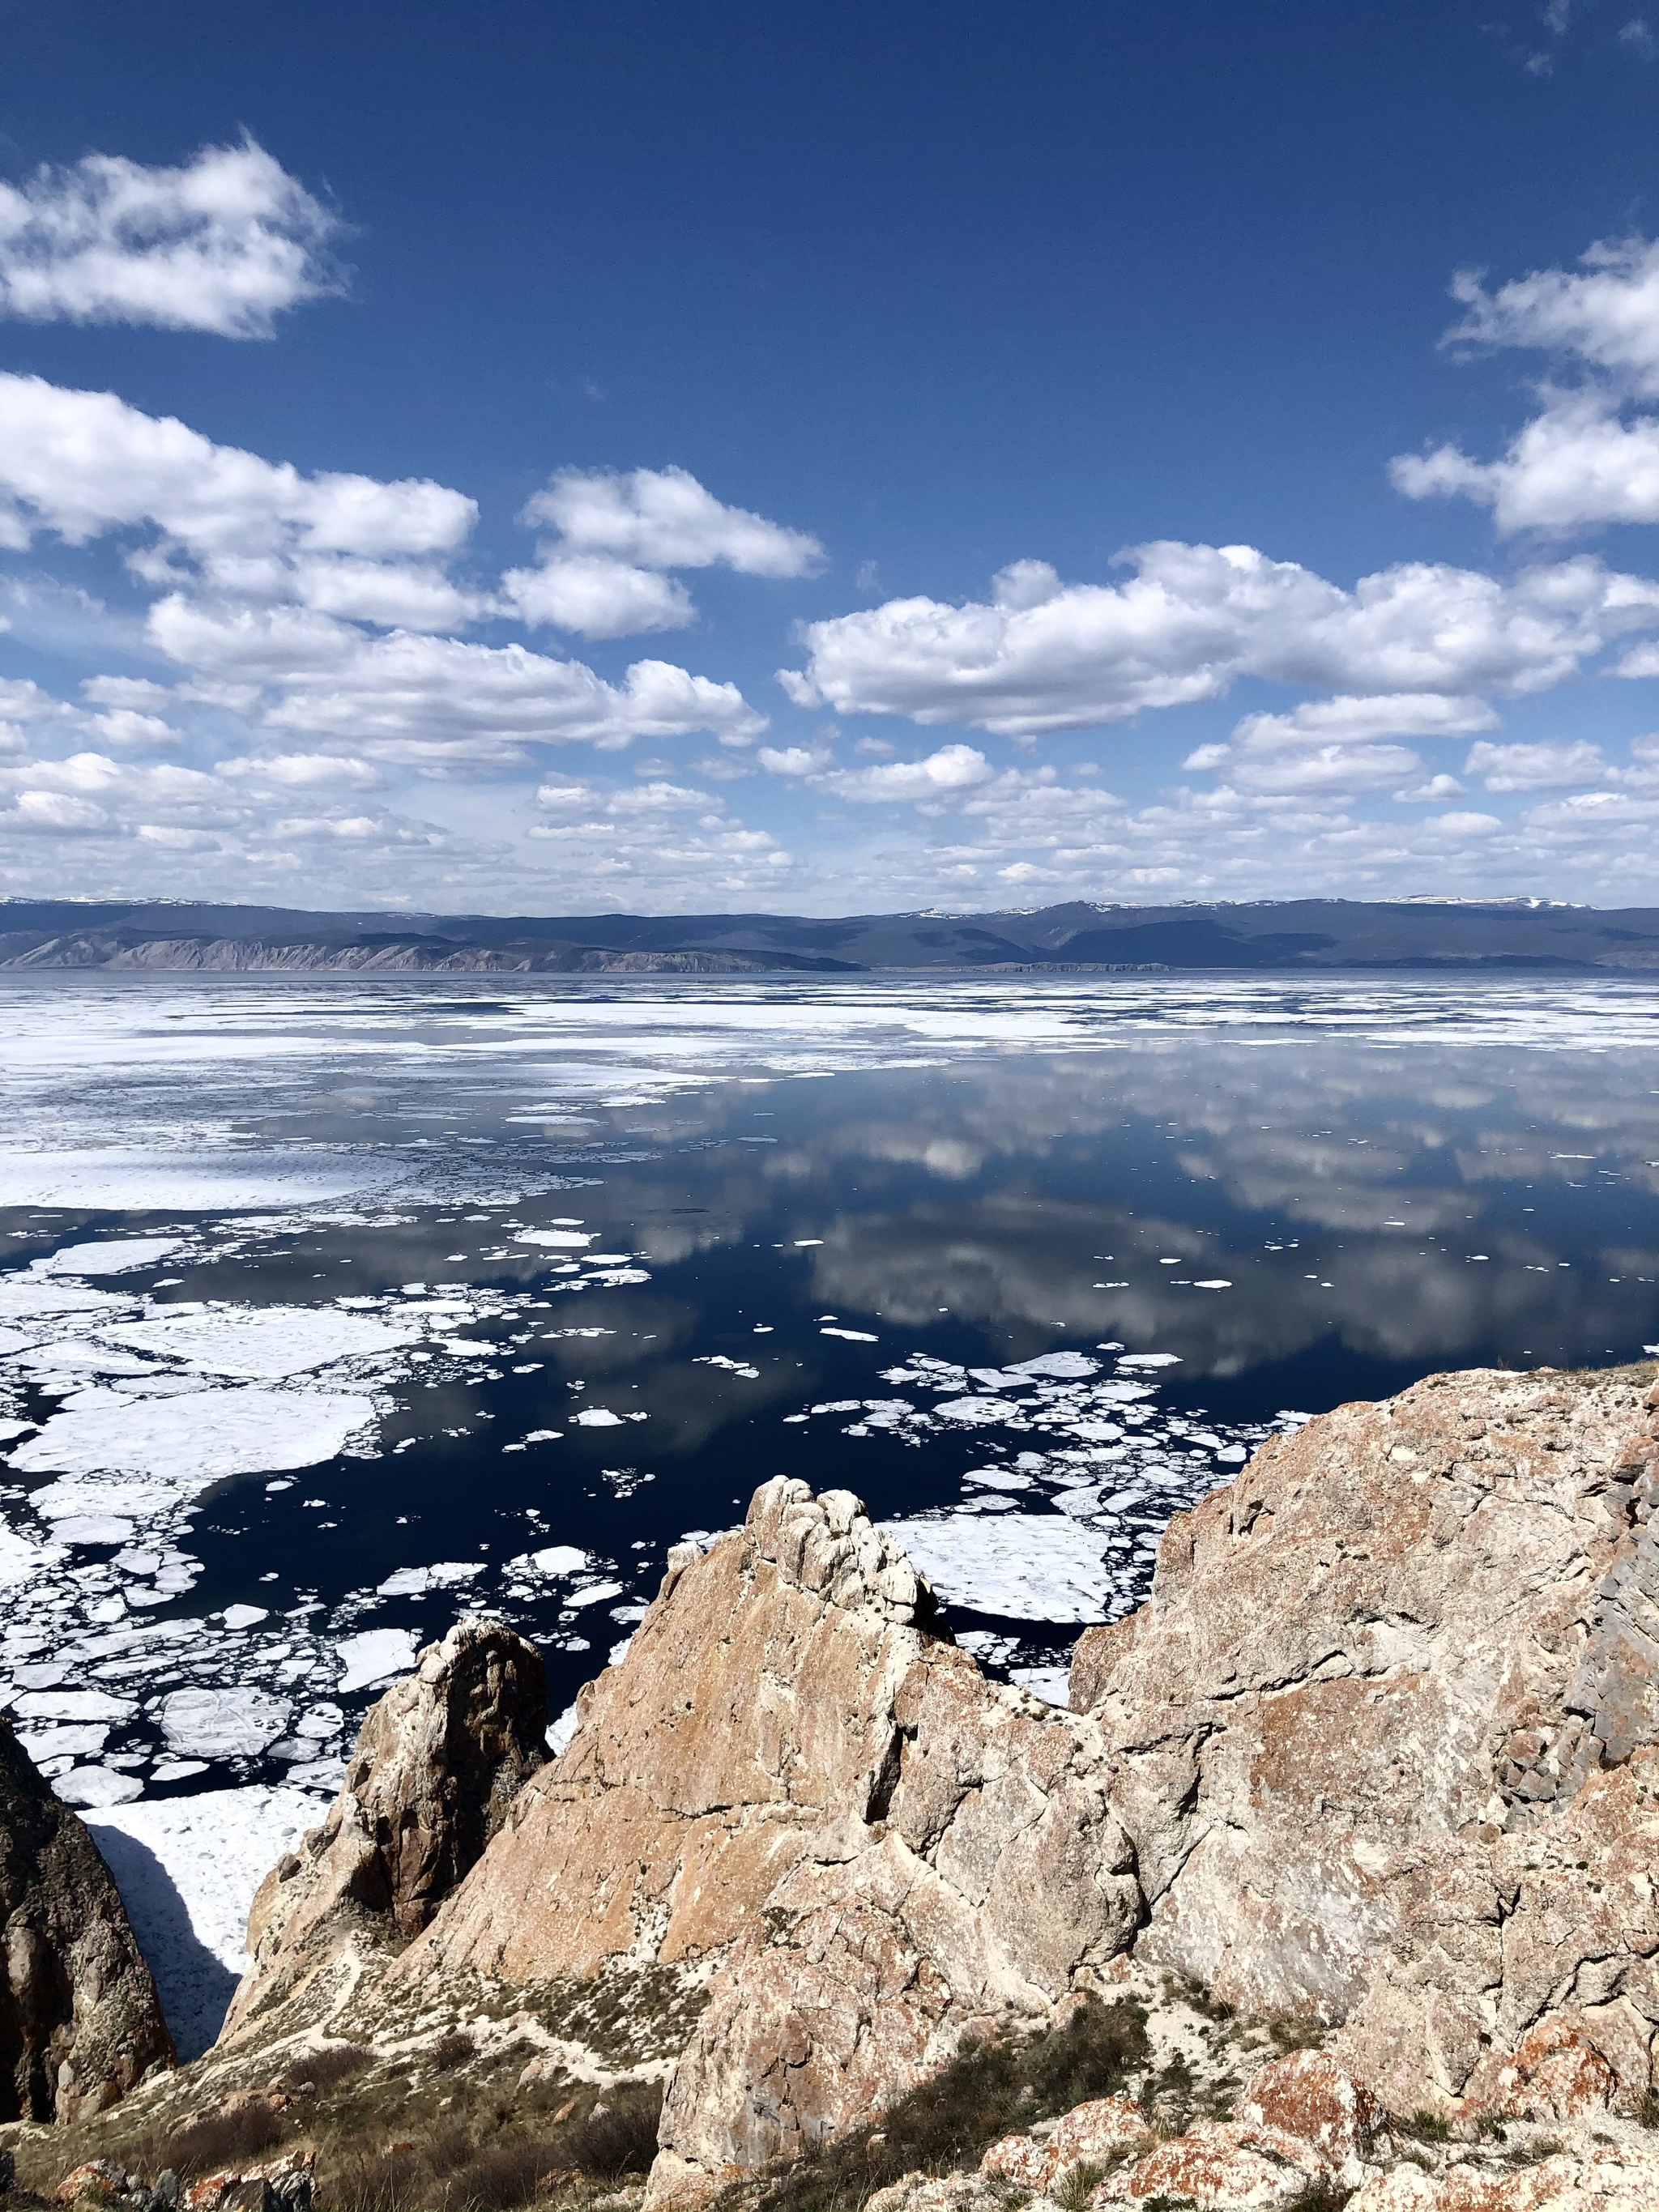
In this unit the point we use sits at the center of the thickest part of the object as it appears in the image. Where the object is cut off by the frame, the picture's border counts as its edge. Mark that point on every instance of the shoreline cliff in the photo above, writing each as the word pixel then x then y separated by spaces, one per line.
pixel 1348 1847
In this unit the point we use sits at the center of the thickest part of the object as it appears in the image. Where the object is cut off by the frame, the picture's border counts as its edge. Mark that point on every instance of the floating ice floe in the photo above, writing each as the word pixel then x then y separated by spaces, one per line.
pixel 1023 1566
pixel 234 1723
pixel 186 1443
pixel 262 1343
pixel 1051 1684
pixel 146 1179
pixel 415 1582
pixel 119 1255
pixel 374 1655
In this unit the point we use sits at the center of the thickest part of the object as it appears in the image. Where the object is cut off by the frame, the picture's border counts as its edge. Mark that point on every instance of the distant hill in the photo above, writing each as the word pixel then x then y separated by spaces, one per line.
pixel 1290 935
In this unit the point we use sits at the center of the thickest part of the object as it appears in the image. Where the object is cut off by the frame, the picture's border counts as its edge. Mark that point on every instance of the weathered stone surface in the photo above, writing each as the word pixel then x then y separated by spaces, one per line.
pixel 1383 1737
pixel 280 2184
pixel 79 2019
pixel 1312 2095
pixel 1226 2163
pixel 754 1704
pixel 1382 1752
pixel 439 1760
pixel 1102 2126
pixel 1589 2177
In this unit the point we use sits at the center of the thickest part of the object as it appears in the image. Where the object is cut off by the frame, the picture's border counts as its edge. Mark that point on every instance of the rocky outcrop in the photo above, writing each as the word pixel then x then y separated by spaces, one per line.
pixel 79 2019
pixel 437 1765
pixel 793 1781
pixel 1380 1755
pixel 1306 2136
pixel 1385 1738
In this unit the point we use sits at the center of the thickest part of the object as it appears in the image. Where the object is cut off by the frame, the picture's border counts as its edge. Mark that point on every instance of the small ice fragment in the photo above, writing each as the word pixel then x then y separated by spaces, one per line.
pixel 804 1243
pixel 1151 1359
pixel 852 1335
pixel 1216 1283
pixel 599 1417
pixel 244 1616
pixel 595 1594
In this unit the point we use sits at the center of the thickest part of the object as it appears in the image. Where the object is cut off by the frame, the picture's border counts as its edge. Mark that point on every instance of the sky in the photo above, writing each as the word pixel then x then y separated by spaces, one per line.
pixel 532 457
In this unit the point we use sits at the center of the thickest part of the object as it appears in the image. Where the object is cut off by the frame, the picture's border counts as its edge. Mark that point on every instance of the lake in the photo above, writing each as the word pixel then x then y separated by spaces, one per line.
pixel 333 1308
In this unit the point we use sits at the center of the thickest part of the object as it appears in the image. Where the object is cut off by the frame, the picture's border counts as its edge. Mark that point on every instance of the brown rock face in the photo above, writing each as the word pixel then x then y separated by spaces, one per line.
pixel 755 1702
pixel 438 1762
pixel 1384 1736
pixel 79 2021
pixel 791 1779
pixel 1382 1751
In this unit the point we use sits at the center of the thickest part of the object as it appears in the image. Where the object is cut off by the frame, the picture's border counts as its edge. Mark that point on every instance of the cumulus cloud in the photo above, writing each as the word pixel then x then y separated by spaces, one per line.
pixel 319 607
pixel 84 463
pixel 1042 655
pixel 1585 459
pixel 437 702
pixel 1576 462
pixel 794 760
pixel 1330 746
pixel 951 769
pixel 224 243
pixel 662 837
pixel 1606 314
pixel 665 519
pixel 593 597
pixel 603 574
pixel 1537 766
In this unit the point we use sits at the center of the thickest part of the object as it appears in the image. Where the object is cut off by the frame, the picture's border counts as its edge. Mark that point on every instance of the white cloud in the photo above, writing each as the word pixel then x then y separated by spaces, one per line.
pixel 1437 788
pixel 654 843
pixel 1045 656
pixel 951 769
pixel 596 597
pixel 222 244
pixel 305 771
pixel 1577 462
pixel 1402 714
pixel 794 760
pixel 1537 766
pixel 437 702
pixel 1328 747
pixel 84 463
pixel 1582 460
pixel 1606 316
pixel 665 519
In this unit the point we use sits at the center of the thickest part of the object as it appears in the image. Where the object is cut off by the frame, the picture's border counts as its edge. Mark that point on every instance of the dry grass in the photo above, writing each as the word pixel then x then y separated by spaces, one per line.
pixel 990 2089
pixel 449 2131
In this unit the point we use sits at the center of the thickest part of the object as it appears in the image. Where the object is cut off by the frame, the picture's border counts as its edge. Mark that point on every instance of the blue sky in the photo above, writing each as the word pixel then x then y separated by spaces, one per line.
pixel 542 458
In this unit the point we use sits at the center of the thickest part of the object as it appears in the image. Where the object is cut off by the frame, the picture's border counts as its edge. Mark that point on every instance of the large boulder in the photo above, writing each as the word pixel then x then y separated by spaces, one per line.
pixel 437 1763
pixel 80 2023
pixel 1384 1736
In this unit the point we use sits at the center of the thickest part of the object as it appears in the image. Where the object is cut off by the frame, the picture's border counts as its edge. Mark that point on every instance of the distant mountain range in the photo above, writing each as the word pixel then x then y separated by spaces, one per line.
pixel 1288 934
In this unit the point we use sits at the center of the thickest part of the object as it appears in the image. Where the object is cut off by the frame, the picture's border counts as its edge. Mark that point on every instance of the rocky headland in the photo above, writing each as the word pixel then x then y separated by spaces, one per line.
pixel 1336 1884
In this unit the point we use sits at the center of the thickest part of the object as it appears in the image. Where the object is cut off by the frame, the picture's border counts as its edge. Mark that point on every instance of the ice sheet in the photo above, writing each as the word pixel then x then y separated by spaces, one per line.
pixel 187 1869
pixel 1022 1566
